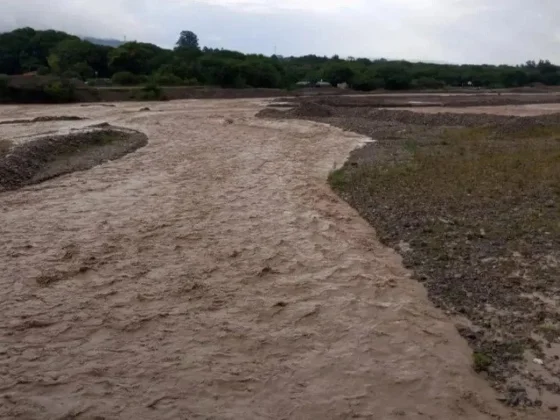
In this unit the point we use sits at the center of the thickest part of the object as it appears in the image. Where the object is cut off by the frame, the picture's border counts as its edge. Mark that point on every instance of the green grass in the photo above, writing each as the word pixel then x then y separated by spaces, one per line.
pixel 470 166
pixel 338 179
pixel 481 362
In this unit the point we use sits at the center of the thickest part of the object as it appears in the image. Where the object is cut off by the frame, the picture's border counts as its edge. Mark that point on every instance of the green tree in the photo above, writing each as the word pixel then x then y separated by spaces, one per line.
pixel 133 57
pixel 338 72
pixel 187 39
pixel 84 70
pixel 259 73
pixel 69 53
pixel 126 78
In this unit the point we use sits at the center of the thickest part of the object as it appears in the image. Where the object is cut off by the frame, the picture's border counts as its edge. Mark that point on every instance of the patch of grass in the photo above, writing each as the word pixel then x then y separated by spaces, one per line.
pixel 454 134
pixel 411 146
pixel 153 92
pixel 338 179
pixel 481 362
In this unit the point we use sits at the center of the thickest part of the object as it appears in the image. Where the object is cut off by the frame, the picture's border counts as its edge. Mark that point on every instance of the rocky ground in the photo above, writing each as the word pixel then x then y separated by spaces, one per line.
pixel 472 204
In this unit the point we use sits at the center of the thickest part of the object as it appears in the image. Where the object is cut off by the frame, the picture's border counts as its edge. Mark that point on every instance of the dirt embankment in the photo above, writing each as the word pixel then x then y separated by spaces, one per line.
pixel 472 204
pixel 42 119
pixel 47 157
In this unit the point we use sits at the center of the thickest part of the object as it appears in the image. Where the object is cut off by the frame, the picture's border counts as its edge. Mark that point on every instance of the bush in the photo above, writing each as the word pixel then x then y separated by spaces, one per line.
pixel 4 81
pixel 153 92
pixel 192 82
pixel 83 70
pixel 367 82
pixel 43 71
pixel 481 362
pixel 397 82
pixel 125 78
pixel 36 90
pixel 99 82
pixel 168 80
pixel 427 83
pixel 59 92
pixel 70 74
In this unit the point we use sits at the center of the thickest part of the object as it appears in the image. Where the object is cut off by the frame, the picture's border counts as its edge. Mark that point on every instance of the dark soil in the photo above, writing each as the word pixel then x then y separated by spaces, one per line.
pixel 48 157
pixel 472 203
pixel 44 119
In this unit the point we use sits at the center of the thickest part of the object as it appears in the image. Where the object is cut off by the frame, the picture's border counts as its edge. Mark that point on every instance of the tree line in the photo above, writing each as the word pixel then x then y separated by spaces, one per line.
pixel 58 53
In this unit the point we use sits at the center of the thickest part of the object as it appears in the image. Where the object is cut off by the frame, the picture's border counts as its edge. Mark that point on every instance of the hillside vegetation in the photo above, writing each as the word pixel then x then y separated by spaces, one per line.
pixel 132 63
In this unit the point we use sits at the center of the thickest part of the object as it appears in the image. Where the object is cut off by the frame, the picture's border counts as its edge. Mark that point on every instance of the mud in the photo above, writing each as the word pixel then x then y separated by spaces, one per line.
pixel 214 274
pixel 42 119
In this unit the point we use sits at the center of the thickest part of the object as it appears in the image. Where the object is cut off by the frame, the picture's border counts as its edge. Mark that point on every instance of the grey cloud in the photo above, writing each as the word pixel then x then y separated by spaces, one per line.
pixel 478 31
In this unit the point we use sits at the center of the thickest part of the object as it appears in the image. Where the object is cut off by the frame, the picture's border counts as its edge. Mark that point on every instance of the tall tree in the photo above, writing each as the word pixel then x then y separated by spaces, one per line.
pixel 134 57
pixel 188 39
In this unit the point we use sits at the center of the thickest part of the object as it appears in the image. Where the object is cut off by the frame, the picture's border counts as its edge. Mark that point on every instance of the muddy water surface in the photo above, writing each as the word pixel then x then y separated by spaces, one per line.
pixel 213 274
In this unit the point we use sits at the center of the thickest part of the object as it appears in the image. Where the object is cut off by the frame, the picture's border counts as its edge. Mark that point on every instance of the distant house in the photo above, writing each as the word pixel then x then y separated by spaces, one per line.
pixel 322 83
pixel 343 85
pixel 303 83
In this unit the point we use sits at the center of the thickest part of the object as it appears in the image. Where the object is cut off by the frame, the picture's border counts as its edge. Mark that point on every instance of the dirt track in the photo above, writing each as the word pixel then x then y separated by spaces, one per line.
pixel 213 274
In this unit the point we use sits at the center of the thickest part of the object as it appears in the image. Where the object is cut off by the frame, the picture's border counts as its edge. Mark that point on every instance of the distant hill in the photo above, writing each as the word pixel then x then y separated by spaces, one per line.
pixel 102 41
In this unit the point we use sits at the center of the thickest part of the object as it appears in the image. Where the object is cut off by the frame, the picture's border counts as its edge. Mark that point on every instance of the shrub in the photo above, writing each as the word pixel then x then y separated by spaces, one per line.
pixel 43 71
pixel 125 78
pixel 59 92
pixel 367 82
pixel 481 362
pixel 152 91
pixel 168 80
pixel 99 82
pixel 427 83
pixel 192 82
pixel 4 81
pixel 70 74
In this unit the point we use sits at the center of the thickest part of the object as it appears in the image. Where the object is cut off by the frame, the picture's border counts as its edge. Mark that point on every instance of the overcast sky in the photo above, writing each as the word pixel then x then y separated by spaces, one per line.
pixel 459 31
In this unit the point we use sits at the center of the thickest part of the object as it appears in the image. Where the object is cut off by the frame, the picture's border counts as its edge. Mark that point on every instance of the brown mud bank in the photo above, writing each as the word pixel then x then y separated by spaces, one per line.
pixel 47 157
pixel 42 119
pixel 434 101
pixel 471 202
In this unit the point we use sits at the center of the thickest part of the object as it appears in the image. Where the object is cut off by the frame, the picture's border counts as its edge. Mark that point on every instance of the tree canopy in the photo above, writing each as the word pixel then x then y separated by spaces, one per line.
pixel 26 50
pixel 187 39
